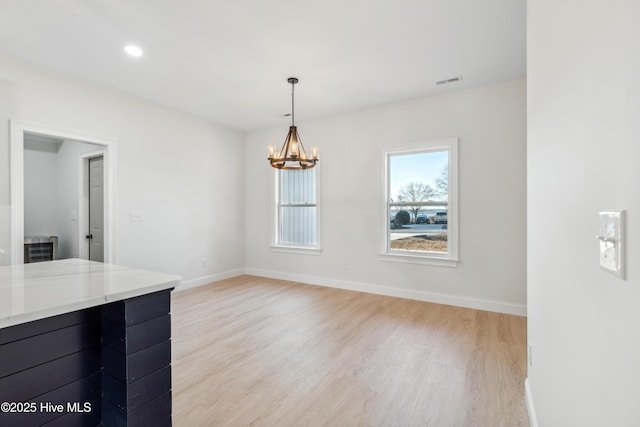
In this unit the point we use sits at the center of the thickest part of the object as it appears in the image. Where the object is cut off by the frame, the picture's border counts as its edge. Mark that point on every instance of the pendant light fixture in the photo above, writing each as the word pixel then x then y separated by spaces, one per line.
pixel 292 155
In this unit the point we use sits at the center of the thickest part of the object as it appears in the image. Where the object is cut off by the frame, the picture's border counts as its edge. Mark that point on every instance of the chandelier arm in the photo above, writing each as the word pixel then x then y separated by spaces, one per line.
pixel 301 146
pixel 285 146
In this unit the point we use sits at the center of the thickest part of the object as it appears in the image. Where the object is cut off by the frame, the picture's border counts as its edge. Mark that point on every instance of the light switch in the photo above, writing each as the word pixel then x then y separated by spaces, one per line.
pixel 137 216
pixel 611 241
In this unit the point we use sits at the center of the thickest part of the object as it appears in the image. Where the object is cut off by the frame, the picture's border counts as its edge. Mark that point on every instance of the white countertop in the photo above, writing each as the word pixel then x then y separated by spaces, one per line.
pixel 44 289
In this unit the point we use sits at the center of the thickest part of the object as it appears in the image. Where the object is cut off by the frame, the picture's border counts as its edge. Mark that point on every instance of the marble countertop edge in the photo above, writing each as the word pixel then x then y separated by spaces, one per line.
pixel 52 291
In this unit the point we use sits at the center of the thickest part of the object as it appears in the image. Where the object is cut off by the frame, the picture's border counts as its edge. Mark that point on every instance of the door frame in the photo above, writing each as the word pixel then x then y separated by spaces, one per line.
pixel 17 129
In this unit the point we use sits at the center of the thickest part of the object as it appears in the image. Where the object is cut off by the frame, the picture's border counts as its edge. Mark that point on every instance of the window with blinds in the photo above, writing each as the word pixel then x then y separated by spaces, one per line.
pixel 297 207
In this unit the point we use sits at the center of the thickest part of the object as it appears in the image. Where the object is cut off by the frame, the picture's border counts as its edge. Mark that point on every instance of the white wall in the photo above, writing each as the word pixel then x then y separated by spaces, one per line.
pixel 490 122
pixel 583 152
pixel 185 173
pixel 40 193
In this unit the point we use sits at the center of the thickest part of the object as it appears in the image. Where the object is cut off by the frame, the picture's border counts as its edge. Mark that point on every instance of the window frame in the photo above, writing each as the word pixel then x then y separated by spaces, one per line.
pixel 449 259
pixel 276 245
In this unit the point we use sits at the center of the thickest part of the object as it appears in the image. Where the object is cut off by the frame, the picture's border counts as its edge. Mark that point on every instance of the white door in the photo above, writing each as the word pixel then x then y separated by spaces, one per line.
pixel 96 209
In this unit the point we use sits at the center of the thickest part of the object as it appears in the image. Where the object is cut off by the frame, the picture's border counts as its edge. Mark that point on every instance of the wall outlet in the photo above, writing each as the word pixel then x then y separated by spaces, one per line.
pixel 346 265
pixel 530 355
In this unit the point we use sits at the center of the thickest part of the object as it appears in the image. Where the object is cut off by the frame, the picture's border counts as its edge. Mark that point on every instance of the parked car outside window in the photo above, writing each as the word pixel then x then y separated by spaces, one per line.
pixel 440 217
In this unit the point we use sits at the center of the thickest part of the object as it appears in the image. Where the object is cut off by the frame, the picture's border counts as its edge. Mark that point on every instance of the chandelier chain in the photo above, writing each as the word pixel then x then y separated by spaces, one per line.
pixel 293 111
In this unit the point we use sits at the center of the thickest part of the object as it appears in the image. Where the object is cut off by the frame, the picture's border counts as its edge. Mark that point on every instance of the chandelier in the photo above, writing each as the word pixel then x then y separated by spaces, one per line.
pixel 292 155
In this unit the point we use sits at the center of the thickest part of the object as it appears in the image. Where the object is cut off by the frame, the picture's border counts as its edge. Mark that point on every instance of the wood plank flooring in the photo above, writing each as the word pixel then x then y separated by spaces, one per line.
pixel 251 351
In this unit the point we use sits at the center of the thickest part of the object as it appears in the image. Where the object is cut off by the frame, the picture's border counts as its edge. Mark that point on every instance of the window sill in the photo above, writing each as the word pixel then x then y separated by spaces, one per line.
pixel 419 259
pixel 296 250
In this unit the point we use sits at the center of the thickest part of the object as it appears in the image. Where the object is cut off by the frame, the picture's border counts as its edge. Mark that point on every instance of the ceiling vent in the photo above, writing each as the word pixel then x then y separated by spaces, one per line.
pixel 451 80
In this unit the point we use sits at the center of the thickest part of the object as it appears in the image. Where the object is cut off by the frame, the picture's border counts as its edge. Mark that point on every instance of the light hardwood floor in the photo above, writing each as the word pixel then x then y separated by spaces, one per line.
pixel 252 351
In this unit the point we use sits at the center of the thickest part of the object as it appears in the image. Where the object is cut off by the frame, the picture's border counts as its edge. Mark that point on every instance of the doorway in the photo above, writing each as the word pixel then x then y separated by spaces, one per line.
pixel 103 161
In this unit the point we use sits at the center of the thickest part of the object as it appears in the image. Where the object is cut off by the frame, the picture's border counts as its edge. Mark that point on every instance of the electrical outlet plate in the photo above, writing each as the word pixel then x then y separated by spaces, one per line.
pixel 611 241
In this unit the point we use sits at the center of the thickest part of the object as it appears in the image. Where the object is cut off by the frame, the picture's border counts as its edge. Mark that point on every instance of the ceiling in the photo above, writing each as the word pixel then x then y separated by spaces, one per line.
pixel 227 61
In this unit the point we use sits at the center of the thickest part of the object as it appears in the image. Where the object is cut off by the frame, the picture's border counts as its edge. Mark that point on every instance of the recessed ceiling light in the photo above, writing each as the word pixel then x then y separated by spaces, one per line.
pixel 133 50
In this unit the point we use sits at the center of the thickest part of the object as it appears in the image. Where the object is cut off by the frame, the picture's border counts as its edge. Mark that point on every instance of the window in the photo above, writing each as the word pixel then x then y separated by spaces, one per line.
pixel 296 211
pixel 421 204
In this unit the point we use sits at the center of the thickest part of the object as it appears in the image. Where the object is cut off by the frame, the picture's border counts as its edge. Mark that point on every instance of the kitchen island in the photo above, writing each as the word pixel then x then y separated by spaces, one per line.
pixel 84 343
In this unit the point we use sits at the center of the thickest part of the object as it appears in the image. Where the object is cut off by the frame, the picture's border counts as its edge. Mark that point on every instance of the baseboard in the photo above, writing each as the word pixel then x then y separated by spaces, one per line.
pixel 479 304
pixel 205 280
pixel 533 420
